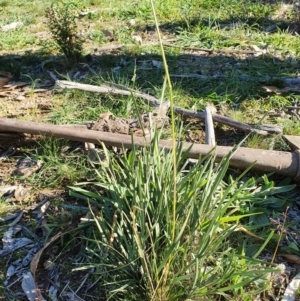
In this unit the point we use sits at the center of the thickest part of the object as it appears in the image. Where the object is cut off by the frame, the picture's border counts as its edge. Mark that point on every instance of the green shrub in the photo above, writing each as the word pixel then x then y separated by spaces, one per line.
pixel 61 18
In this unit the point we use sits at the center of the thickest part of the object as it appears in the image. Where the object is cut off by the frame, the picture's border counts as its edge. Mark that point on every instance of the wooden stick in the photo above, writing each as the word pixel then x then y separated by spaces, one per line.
pixel 153 101
pixel 209 128
pixel 284 163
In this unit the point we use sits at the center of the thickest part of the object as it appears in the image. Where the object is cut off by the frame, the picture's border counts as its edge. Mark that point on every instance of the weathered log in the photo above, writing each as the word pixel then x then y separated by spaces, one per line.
pixel 284 163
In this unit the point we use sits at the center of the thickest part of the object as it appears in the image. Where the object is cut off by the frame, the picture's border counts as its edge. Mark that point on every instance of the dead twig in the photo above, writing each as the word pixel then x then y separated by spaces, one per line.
pixel 153 101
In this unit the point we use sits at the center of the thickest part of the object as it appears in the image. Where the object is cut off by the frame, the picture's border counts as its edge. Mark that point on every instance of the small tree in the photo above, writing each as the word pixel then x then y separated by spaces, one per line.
pixel 61 19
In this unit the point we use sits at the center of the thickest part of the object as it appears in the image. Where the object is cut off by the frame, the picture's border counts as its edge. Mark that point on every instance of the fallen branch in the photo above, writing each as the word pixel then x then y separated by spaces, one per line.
pixel 245 127
pixel 153 101
pixel 284 163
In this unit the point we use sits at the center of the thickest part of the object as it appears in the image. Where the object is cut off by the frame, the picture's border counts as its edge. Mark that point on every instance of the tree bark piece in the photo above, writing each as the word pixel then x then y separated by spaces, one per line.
pixel 284 163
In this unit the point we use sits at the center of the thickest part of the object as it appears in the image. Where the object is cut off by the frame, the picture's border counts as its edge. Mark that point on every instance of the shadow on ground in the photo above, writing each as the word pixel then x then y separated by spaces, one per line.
pixel 235 75
pixel 221 75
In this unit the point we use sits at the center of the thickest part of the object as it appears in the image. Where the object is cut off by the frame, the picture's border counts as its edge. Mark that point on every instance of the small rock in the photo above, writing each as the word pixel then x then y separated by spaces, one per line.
pixel 131 22
pixel 137 39
pixel 11 26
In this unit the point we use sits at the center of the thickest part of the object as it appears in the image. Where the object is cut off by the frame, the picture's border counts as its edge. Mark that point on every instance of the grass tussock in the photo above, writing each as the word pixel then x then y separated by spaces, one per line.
pixel 133 248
